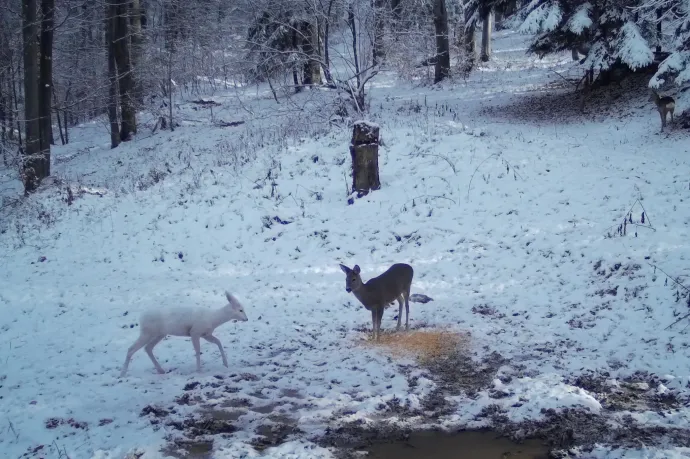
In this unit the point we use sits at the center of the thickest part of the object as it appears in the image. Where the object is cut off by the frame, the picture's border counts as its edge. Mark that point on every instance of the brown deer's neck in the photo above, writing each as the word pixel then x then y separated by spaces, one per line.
pixel 365 296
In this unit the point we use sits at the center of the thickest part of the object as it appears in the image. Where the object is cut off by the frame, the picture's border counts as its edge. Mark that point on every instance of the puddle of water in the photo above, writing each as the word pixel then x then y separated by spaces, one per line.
pixel 265 409
pixel 190 450
pixel 236 403
pixel 461 445
pixel 272 435
pixel 222 415
pixel 291 393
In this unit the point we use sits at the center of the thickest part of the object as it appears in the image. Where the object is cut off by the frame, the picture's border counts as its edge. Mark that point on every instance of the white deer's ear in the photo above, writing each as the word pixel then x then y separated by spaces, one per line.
pixel 344 269
pixel 229 296
pixel 356 269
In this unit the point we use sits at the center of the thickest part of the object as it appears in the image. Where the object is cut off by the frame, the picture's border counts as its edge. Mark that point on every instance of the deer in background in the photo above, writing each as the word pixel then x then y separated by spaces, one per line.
pixel 380 292
pixel 664 105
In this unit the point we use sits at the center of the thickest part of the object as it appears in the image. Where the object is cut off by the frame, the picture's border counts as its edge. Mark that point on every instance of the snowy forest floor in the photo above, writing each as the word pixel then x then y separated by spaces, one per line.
pixel 505 199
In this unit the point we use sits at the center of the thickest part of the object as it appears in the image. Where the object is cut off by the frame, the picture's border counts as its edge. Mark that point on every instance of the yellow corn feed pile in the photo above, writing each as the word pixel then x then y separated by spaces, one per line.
pixel 423 344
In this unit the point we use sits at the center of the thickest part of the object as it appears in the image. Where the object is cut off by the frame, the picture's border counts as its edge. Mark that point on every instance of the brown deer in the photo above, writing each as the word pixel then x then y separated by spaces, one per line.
pixel 665 105
pixel 380 292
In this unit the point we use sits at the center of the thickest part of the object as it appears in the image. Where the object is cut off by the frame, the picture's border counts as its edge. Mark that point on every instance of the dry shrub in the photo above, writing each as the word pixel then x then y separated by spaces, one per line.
pixel 425 344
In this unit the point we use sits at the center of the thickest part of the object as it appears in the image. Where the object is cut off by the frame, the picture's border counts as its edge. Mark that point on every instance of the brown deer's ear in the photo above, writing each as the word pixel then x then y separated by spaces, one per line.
pixel 356 269
pixel 344 268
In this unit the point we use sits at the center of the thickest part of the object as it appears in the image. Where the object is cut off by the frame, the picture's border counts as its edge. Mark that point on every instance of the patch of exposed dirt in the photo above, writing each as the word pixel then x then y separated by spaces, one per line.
pixel 443 358
pixel 560 431
pixel 193 436
pixel 186 449
pixel 274 433
pixel 639 392
pixel 574 428
pixel 565 105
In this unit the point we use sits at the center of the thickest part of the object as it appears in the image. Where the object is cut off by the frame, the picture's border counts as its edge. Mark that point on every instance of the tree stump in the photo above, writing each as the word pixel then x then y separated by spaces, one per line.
pixel 364 150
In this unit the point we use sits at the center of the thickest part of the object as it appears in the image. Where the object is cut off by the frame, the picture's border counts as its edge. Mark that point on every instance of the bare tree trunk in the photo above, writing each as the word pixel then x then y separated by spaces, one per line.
pixel 36 164
pixel 469 43
pixel 658 30
pixel 14 114
pixel 486 35
pixel 379 25
pixel 442 67
pixel 295 46
pixel 110 19
pixel 46 74
pixel 170 91
pixel 124 72
pixel 3 112
pixel 311 73
pixel 353 28
pixel 66 103
pixel 326 37
pixel 57 116
pixel 137 49
pixel 3 121
pixel 396 10
pixel 510 8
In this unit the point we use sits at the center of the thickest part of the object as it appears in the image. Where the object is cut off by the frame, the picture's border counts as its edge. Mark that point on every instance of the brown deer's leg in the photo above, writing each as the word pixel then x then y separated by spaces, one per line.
pixel 373 323
pixel 378 322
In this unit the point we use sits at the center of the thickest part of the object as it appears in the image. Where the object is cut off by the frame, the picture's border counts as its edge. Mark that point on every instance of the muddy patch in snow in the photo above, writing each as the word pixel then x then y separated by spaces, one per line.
pixel 556 434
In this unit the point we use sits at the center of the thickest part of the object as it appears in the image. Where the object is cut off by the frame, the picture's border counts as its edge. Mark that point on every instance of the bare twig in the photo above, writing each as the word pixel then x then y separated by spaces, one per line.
pixel 16 435
pixel 469 186
pixel 443 157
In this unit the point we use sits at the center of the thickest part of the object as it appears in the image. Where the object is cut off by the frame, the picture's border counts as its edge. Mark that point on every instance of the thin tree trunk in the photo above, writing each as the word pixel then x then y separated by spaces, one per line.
pixel 358 93
pixel 111 18
pixel 3 112
pixel 57 116
pixel 3 120
pixel 486 36
pixel 379 25
pixel 469 43
pixel 137 50
pixel 124 72
pixel 46 74
pixel 658 30
pixel 311 73
pixel 295 46
pixel 353 28
pixel 170 91
pixel 326 37
pixel 14 114
pixel 35 165
pixel 442 67
pixel 65 111
pixel 396 9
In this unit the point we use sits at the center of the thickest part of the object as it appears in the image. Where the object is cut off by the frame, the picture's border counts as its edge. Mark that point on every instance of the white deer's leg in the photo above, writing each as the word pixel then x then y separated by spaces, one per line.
pixel 138 344
pixel 216 341
pixel 400 309
pixel 197 350
pixel 149 350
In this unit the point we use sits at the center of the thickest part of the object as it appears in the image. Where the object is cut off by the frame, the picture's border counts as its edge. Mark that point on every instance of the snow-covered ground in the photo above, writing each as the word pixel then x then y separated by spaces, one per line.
pixel 510 223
